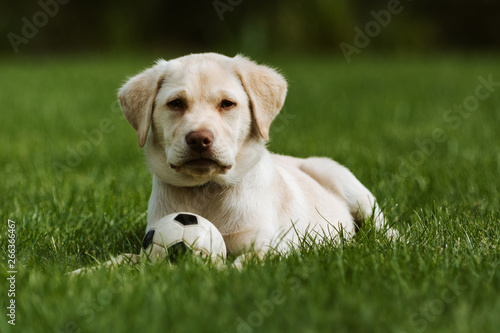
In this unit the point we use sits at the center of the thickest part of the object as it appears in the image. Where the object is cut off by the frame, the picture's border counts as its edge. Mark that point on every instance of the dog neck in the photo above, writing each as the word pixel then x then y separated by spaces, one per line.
pixel 210 200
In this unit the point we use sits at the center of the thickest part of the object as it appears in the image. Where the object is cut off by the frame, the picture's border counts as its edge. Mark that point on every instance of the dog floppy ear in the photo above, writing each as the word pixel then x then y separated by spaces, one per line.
pixel 266 90
pixel 137 98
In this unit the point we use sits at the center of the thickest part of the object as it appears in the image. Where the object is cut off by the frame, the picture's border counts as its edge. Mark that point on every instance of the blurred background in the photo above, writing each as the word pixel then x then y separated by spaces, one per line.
pixel 252 27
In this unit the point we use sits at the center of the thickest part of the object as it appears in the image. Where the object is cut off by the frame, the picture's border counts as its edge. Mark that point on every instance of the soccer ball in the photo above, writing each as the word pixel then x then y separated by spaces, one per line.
pixel 176 234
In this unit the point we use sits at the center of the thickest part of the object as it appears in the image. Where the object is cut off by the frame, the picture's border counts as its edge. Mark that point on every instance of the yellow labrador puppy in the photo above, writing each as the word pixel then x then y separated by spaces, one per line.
pixel 204 120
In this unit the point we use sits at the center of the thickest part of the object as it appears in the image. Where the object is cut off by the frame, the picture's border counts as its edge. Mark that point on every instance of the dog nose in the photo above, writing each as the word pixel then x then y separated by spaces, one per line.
pixel 200 140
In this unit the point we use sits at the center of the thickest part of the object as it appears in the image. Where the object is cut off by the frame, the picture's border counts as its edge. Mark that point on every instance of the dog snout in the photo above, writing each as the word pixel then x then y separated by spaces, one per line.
pixel 200 141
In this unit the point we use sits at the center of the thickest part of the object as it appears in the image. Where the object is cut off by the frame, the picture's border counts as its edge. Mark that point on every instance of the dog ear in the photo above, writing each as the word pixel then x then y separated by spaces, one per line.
pixel 266 90
pixel 137 98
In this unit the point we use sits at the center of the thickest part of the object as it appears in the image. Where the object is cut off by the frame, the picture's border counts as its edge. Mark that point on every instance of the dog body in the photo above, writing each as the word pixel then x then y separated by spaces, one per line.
pixel 204 120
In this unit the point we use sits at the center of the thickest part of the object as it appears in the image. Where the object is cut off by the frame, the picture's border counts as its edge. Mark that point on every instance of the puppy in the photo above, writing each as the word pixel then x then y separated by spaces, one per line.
pixel 203 120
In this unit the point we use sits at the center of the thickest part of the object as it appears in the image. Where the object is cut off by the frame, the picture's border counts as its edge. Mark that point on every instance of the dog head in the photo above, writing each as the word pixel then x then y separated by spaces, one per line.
pixel 203 117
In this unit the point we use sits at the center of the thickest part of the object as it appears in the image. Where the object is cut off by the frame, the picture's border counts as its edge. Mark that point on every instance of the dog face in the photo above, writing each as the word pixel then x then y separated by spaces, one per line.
pixel 203 117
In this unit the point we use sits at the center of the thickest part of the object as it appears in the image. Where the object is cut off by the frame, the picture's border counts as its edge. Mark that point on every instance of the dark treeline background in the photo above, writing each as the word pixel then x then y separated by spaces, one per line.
pixel 252 26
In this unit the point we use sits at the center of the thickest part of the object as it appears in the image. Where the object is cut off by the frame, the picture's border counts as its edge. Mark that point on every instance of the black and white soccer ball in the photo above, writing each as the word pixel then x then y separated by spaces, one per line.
pixel 178 233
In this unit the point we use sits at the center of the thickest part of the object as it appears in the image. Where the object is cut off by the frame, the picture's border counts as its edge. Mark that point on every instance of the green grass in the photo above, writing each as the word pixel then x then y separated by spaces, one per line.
pixel 73 208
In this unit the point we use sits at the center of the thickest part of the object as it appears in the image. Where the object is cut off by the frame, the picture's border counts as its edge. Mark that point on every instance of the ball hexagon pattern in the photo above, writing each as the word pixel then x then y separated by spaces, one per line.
pixel 182 232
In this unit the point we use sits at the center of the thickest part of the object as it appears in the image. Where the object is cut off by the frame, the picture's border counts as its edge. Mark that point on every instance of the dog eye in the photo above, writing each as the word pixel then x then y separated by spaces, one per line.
pixel 176 104
pixel 227 104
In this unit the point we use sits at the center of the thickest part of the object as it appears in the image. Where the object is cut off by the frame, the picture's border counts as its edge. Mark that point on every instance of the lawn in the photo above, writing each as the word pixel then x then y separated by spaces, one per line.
pixel 421 133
